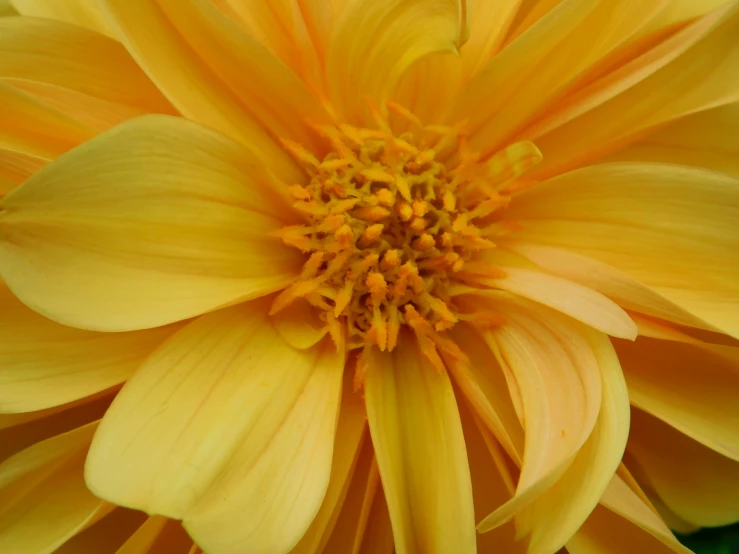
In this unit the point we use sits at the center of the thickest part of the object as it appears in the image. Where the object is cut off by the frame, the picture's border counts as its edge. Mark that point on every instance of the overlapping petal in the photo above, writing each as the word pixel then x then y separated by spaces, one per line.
pixel 418 439
pixel 674 229
pixel 154 221
pixel 228 428
pixel 78 12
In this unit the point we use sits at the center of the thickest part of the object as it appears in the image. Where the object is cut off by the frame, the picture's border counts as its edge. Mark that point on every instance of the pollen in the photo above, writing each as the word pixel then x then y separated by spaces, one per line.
pixel 391 226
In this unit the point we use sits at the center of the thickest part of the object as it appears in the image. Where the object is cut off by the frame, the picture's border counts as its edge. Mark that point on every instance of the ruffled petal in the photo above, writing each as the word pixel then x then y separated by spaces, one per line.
pixel 673 229
pixel 695 482
pixel 374 43
pixel 78 12
pixel 228 428
pixel 216 74
pixel 420 449
pixel 543 65
pixel 154 221
pixel 693 387
pixel 45 501
pixel 45 364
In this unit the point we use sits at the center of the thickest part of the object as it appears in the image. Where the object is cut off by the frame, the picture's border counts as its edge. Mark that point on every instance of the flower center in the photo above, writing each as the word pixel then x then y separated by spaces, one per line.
pixel 393 223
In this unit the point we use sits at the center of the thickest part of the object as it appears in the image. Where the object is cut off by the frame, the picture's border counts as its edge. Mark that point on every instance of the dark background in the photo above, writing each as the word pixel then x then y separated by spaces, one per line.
pixel 722 540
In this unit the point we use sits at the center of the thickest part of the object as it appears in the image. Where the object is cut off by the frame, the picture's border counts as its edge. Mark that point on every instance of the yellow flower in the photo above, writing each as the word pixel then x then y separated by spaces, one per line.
pixel 375 273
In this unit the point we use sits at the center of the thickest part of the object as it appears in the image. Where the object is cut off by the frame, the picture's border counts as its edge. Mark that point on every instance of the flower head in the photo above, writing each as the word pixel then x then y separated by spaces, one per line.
pixel 431 275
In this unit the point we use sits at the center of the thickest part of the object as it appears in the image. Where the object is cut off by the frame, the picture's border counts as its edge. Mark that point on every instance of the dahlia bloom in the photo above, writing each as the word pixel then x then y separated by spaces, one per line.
pixel 423 276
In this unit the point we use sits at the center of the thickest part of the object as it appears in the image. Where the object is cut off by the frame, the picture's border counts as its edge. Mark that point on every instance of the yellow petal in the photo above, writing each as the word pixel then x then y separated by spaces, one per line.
pixel 562 509
pixel 693 387
pixel 106 535
pixel 37 129
pixel 154 221
pixel 485 385
pixel 45 364
pixel 558 375
pixel 71 57
pixel 620 287
pixel 489 489
pixel 679 11
pixel 698 484
pixel 544 64
pixel 214 73
pixel 384 38
pixel 378 537
pixel 638 100
pixel 6 8
pixel 226 427
pixel 490 20
pixel 299 325
pixel 624 523
pixel 16 167
pixel 78 12
pixel 350 435
pixel 706 139
pixel 577 301
pixel 674 229
pixel 45 500
pixel 412 411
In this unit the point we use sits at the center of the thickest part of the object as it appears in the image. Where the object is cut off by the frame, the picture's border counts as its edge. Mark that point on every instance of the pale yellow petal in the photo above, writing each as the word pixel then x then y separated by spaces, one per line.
pixel 674 229
pixel 45 364
pixel 620 287
pixel 412 411
pixel 224 78
pixel 700 485
pixel 374 43
pixel 624 523
pixel 226 427
pixel 75 58
pixel 706 139
pixel 45 500
pixel 700 78
pixel 154 221
pixel 555 517
pixel 350 435
pixel 693 387
pixel 570 298
pixel 543 65
pixel 558 375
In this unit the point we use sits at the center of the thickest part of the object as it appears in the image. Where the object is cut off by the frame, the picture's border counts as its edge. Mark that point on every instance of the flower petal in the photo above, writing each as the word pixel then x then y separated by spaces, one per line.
pixel 620 287
pixel 700 78
pixel 693 387
pixel 299 325
pixel 544 64
pixel 674 229
pixel 45 364
pixel 214 74
pixel 144 537
pixel 224 424
pixel 706 139
pixel 698 484
pixel 45 500
pixel 420 450
pixel 34 128
pixel 577 301
pixel 71 57
pixel 384 38
pixel 558 375
pixel 560 511
pixel 154 221
pixel 78 12
pixel 350 435
pixel 624 523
